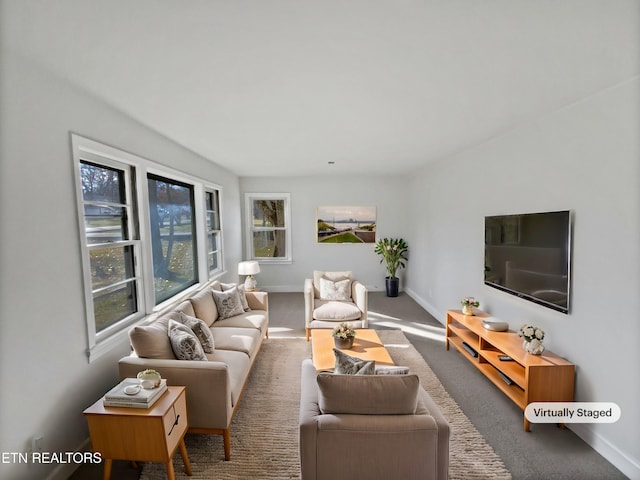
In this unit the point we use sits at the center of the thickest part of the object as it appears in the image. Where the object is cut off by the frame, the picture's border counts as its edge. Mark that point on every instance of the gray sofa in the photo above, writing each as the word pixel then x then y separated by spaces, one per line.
pixel 215 385
pixel 370 426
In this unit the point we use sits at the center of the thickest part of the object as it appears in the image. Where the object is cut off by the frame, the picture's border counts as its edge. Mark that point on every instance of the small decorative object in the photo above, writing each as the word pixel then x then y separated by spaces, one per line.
pixel 343 336
pixel 467 305
pixel 394 254
pixel 533 337
pixel 149 378
pixel 249 268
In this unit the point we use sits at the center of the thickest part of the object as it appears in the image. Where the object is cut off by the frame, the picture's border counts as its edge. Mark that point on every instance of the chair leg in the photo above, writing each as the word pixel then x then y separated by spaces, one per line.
pixel 308 332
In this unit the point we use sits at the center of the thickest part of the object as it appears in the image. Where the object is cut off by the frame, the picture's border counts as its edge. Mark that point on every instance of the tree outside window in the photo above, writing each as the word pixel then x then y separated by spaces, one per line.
pixel 268 227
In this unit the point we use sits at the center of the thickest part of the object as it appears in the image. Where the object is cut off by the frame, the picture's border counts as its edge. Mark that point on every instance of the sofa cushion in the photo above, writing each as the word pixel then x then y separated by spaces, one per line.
pixel 368 394
pixel 340 290
pixel 348 365
pixel 201 330
pixel 252 319
pixel 204 306
pixel 245 340
pixel 152 341
pixel 333 276
pixel 228 303
pixel 336 311
pixel 184 342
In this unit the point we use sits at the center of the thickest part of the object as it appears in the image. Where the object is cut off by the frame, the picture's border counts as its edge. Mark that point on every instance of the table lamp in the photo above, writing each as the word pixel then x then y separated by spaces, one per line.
pixel 249 268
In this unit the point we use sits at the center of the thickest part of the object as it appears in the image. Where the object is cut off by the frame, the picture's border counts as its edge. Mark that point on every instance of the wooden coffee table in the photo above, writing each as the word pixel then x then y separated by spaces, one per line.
pixel 366 346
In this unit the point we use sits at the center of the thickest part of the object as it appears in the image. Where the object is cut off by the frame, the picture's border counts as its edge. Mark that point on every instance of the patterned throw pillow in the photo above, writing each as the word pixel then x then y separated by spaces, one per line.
pixel 184 343
pixel 339 290
pixel 201 330
pixel 391 370
pixel 241 290
pixel 228 303
pixel 348 365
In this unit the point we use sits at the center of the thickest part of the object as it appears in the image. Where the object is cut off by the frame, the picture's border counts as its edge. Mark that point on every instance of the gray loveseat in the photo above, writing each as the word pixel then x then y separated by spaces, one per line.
pixel 214 386
pixel 370 426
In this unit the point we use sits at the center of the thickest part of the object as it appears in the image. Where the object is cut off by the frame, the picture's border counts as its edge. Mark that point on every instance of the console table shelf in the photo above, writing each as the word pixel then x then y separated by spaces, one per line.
pixel 533 378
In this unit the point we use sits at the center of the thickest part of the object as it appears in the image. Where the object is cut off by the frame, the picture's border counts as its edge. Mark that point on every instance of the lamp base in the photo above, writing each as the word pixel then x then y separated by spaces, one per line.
pixel 250 283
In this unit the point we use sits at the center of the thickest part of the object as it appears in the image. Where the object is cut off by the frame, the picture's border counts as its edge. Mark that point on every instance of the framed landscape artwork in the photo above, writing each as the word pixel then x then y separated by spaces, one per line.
pixel 346 224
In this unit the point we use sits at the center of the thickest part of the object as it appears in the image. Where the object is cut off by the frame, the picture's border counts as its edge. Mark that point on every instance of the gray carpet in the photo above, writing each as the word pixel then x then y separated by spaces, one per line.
pixel 265 430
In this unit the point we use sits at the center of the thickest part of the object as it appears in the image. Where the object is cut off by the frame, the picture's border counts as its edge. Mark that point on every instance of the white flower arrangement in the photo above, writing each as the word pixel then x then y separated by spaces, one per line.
pixel 531 333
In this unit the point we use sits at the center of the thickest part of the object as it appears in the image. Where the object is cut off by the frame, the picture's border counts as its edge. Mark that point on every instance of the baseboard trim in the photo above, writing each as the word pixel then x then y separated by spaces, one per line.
pixel 433 311
pixel 64 470
pixel 623 462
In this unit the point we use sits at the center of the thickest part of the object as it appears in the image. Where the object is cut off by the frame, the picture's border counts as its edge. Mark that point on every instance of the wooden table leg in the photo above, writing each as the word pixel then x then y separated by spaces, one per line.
pixel 106 473
pixel 185 457
pixel 171 474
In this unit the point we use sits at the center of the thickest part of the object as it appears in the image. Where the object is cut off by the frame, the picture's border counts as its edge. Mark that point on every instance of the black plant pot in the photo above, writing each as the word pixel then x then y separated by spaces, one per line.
pixel 392 285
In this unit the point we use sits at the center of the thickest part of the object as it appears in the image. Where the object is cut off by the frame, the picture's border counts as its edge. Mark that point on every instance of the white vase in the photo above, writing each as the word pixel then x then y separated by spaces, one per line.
pixel 534 347
pixel 467 310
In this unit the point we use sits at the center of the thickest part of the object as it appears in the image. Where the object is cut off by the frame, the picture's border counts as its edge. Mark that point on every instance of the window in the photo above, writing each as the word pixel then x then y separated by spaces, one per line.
pixel 212 202
pixel 110 243
pixel 148 234
pixel 173 236
pixel 268 227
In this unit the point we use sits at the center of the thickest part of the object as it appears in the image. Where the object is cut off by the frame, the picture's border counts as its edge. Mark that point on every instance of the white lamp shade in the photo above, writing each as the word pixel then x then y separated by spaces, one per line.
pixel 250 267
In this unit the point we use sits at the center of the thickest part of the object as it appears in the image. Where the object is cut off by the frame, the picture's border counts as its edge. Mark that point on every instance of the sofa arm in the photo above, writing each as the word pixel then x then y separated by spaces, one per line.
pixel 360 296
pixel 308 427
pixel 308 301
pixel 258 300
pixel 208 386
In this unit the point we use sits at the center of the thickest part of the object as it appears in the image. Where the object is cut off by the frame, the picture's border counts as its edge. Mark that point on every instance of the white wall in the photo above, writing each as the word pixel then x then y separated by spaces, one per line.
pixel 46 380
pixel 586 158
pixel 385 193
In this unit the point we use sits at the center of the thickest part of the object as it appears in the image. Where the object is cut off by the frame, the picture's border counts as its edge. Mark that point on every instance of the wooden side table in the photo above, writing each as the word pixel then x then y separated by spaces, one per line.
pixel 142 434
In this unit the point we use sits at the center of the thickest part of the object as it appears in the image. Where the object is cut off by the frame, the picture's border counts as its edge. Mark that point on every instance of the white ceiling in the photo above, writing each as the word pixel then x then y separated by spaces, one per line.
pixel 282 87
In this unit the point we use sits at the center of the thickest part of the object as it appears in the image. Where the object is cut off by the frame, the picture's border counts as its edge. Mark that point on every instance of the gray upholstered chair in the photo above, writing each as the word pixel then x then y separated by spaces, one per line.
pixel 331 298
pixel 370 426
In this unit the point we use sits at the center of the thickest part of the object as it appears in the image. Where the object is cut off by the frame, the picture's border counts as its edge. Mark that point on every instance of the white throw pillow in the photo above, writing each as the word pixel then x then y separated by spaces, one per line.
pixel 339 290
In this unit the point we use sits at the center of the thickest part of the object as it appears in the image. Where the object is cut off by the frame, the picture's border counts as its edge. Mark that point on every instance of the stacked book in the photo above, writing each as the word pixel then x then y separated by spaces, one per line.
pixel 129 393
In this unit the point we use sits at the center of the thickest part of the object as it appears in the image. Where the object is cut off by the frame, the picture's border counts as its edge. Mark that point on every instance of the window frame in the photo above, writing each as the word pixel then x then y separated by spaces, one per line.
pixel 250 197
pixel 217 192
pixel 139 227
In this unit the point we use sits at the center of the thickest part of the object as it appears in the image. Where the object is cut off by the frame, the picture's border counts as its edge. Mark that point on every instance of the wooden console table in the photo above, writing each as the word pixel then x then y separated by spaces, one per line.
pixel 535 378
pixel 144 434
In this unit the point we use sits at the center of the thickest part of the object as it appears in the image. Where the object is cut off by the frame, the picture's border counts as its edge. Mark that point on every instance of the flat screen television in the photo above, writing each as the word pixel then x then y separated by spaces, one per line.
pixel 529 256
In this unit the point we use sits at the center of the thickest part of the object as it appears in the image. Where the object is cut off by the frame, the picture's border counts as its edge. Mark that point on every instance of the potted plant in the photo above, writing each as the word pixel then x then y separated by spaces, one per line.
pixel 394 253
pixel 343 335
pixel 467 305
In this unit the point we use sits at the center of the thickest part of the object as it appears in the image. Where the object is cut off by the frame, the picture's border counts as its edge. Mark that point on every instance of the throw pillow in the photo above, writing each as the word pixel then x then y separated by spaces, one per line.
pixel 228 303
pixel 391 370
pixel 330 290
pixel 348 365
pixel 184 342
pixel 201 330
pixel 241 290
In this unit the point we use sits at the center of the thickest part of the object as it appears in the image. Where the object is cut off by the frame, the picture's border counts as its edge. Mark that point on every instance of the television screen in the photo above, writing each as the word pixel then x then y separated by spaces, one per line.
pixel 529 256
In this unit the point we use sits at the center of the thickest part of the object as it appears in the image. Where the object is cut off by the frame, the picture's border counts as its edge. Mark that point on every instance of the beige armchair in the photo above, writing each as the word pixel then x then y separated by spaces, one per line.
pixel 331 298
pixel 370 426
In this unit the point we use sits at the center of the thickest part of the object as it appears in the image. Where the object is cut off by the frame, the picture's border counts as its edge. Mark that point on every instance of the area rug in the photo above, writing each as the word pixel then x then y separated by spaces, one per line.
pixel 264 434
